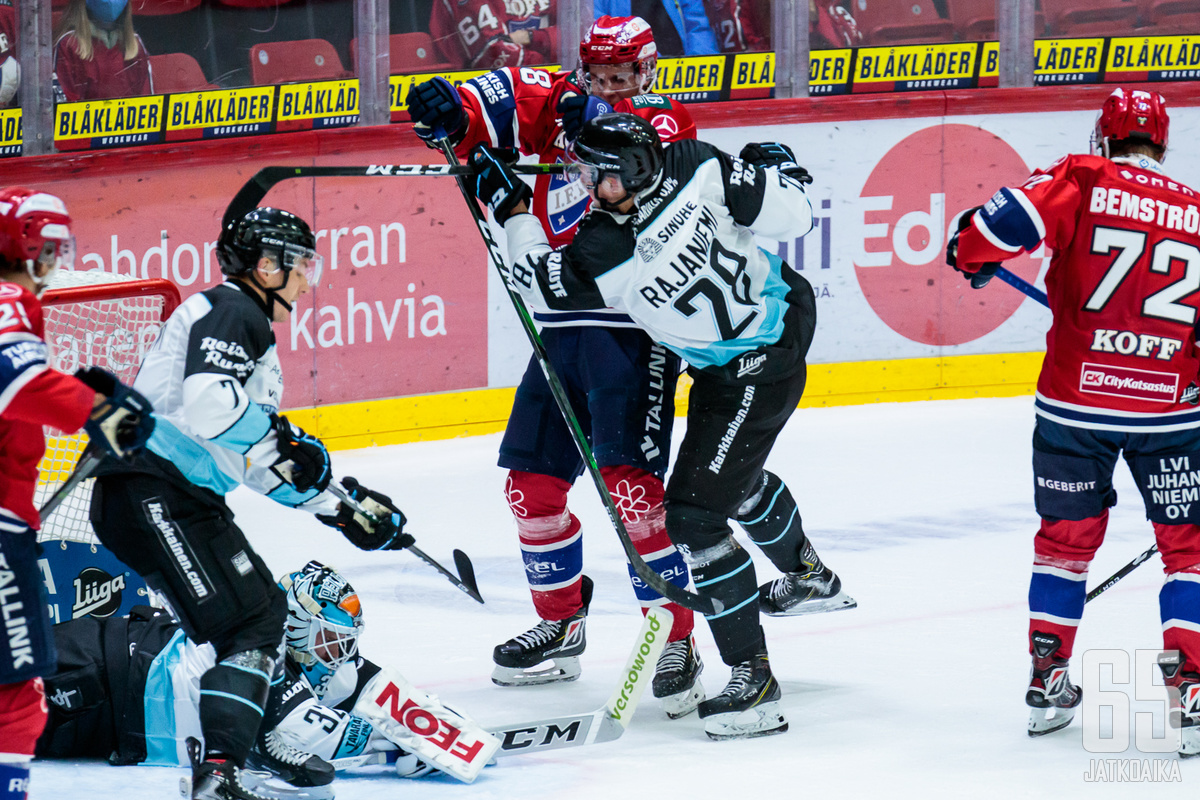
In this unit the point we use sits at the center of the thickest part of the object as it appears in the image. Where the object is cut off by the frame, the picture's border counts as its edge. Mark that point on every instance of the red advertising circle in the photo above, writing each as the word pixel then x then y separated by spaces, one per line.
pixel 912 201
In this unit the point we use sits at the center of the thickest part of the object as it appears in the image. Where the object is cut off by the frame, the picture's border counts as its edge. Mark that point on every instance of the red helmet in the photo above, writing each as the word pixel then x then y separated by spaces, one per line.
pixel 35 229
pixel 618 40
pixel 1131 114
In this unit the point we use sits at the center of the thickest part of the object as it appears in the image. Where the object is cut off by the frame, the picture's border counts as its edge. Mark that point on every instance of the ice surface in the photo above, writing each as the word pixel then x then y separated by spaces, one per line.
pixel 924 509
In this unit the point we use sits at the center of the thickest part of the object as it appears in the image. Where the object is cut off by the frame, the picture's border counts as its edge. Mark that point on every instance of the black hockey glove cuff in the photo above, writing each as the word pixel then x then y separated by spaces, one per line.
pixel 123 423
pixel 303 460
pixel 980 278
pixel 495 183
pixel 385 532
pixel 436 110
pixel 778 155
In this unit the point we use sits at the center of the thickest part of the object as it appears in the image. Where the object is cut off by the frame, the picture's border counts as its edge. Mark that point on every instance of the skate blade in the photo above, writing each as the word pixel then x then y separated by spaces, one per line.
pixel 269 785
pixel 839 602
pixel 762 720
pixel 683 703
pixel 1049 720
pixel 560 670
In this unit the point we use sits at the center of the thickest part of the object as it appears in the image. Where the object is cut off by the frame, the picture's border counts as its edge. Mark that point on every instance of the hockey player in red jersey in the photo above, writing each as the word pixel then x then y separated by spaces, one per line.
pixel 1119 377
pixel 35 240
pixel 621 383
pixel 490 34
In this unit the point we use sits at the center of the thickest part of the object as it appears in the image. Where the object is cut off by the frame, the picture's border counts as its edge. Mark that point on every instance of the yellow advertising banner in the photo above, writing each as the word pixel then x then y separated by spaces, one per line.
pixel 109 123
pixel 323 104
pixel 691 80
pixel 753 76
pixel 829 71
pixel 1153 58
pixel 1063 61
pixel 10 131
pixel 916 67
pixel 215 115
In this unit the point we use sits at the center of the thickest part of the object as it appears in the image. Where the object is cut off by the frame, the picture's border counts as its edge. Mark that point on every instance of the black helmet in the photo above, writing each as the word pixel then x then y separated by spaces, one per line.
pixel 273 231
pixel 621 144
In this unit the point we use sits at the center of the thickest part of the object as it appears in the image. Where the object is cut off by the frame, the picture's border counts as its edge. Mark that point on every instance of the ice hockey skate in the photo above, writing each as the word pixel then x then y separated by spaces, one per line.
pixel 276 769
pixel 520 660
pixel 748 706
pixel 797 593
pixel 677 678
pixel 1051 697
pixel 215 779
pixel 1186 715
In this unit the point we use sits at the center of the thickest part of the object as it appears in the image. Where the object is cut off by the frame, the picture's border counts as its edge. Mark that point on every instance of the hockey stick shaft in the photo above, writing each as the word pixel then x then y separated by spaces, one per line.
pixel 1023 286
pixel 83 470
pixel 1121 573
pixel 468 588
pixel 644 571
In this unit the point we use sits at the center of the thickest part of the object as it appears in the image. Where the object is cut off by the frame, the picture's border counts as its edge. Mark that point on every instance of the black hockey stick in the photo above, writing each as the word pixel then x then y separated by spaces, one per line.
pixel 705 605
pixel 83 470
pixel 467 583
pixel 255 189
pixel 1121 573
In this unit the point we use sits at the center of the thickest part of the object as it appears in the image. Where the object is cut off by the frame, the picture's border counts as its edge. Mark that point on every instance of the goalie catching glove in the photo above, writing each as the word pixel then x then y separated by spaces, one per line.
pixel 385 532
pixel 777 155
pixel 495 183
pixel 122 422
pixel 980 278
pixel 303 460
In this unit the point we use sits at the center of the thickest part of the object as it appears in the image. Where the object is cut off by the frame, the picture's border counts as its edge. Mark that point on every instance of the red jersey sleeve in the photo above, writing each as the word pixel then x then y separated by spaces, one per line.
pixel 513 108
pixel 669 117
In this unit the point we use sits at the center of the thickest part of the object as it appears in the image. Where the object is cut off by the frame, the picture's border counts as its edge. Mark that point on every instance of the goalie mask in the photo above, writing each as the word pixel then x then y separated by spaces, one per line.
pixel 35 234
pixel 324 621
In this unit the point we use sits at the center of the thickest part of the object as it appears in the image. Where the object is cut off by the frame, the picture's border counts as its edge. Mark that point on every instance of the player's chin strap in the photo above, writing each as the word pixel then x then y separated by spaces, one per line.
pixel 270 296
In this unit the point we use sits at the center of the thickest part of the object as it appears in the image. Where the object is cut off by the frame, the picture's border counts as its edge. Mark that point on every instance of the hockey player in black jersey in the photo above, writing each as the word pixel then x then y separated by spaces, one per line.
pixel 670 241
pixel 214 378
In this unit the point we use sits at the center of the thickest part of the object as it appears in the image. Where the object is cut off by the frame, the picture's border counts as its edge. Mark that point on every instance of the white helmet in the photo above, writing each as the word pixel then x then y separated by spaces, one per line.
pixel 324 621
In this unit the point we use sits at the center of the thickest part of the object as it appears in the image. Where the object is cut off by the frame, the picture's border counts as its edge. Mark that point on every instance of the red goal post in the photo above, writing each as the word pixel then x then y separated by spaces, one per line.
pixel 93 318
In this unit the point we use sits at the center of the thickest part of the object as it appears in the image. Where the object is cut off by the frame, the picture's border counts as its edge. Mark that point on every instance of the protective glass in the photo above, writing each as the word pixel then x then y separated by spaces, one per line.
pixel 605 79
pixel 304 261
pixel 57 253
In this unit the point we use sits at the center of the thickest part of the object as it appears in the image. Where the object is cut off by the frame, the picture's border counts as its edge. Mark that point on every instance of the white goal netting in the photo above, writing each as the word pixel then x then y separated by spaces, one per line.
pixel 93 318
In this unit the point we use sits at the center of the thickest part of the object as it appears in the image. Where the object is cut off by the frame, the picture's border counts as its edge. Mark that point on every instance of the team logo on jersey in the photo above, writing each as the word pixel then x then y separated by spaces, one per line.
pixel 666 125
pixel 1136 384
pixel 566 202
pixel 648 249
pixel 96 593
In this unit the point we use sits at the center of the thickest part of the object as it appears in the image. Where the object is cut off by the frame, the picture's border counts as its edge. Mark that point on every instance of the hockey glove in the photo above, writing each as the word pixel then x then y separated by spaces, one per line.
pixel 303 460
pixel 123 422
pixel 436 109
pixel 778 155
pixel 385 532
pixel 576 109
pixel 495 183
pixel 978 279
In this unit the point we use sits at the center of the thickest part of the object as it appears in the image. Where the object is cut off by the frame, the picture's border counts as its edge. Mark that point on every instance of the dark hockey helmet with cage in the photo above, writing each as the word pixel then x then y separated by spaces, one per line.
pixel 623 145
pixel 271 231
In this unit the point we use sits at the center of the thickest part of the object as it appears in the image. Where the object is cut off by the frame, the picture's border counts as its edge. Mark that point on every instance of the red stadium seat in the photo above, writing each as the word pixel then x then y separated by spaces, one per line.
pixel 178 72
pixel 300 60
pixel 410 52
pixel 975 20
pixel 154 8
pixel 885 22
pixel 1090 17
pixel 1169 16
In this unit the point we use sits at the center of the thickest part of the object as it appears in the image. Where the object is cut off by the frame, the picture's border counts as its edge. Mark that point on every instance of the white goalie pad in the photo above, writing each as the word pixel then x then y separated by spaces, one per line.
pixel 420 723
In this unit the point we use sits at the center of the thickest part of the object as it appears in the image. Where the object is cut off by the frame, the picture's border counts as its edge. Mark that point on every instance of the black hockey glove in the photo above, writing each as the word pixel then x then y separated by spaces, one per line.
pixel 978 279
pixel 576 109
pixel 436 110
pixel 123 422
pixel 778 155
pixel 495 183
pixel 387 533
pixel 303 460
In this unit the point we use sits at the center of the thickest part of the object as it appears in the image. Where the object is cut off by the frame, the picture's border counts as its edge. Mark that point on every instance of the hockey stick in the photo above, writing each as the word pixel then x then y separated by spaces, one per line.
pixel 467 583
pixel 1121 573
pixel 83 470
pixel 705 605
pixel 1022 285
pixel 255 189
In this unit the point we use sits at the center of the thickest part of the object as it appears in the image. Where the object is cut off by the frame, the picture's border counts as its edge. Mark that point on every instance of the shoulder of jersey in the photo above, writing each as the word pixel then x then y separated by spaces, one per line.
pixel 651 101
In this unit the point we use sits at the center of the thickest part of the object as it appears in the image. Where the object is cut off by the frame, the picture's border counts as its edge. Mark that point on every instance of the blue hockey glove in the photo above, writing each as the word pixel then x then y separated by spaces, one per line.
pixel 495 183
pixel 364 533
pixel 576 109
pixel 303 460
pixel 123 422
pixel 778 155
pixel 986 271
pixel 436 108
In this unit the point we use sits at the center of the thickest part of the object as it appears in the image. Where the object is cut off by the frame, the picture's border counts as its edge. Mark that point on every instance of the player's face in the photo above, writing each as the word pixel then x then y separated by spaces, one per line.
pixel 289 284
pixel 613 82
pixel 610 189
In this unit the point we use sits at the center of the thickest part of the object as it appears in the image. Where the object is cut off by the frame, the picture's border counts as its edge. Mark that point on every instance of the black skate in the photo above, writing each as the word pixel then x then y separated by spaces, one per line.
pixel 560 642
pixel 214 779
pixel 274 767
pixel 1051 695
pixel 799 593
pixel 1186 715
pixel 676 678
pixel 748 706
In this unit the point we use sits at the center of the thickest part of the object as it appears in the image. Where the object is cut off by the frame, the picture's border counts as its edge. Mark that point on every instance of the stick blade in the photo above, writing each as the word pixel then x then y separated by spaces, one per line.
pixel 466 574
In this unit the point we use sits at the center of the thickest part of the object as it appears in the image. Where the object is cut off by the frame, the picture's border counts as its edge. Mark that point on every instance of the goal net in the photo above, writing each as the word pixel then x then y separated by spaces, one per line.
pixel 93 318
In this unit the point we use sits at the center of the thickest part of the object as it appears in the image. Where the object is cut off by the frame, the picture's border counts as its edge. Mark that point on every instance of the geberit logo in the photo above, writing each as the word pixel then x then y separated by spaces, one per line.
pixel 1137 384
